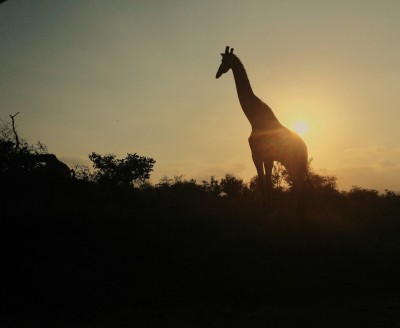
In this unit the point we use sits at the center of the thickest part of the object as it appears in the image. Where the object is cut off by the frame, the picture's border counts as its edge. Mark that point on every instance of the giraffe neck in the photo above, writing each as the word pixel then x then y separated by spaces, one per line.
pixel 257 112
pixel 248 100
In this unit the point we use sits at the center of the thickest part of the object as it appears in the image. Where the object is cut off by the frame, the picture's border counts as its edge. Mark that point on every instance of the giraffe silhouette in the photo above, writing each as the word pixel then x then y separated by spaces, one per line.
pixel 269 140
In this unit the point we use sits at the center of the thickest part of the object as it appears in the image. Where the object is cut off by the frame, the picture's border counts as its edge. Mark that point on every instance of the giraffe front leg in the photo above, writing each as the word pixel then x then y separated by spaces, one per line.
pixel 262 183
pixel 268 181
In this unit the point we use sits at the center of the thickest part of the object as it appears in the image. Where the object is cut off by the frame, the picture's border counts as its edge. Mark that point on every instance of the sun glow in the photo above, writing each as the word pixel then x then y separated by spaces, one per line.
pixel 300 127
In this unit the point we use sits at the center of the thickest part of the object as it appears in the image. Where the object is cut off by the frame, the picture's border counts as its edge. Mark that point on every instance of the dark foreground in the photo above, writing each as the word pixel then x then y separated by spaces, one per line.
pixel 356 312
pixel 85 257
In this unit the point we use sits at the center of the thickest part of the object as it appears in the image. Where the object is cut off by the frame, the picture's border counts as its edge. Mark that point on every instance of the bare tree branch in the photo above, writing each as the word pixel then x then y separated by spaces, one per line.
pixel 15 131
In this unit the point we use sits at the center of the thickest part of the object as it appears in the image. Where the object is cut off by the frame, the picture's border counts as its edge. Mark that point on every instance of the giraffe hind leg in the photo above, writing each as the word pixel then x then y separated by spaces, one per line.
pixel 264 169
pixel 298 174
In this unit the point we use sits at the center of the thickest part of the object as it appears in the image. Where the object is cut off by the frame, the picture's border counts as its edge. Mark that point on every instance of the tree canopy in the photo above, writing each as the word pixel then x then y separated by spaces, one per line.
pixel 132 169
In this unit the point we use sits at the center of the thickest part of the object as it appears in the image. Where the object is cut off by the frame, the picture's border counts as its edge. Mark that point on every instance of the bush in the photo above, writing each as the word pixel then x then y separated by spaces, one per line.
pixel 133 169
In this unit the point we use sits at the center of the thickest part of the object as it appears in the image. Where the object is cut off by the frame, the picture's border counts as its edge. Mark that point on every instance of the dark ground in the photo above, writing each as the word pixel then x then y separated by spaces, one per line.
pixel 86 257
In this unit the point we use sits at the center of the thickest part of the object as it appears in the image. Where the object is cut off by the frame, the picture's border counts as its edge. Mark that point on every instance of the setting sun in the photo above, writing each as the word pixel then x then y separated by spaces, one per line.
pixel 300 127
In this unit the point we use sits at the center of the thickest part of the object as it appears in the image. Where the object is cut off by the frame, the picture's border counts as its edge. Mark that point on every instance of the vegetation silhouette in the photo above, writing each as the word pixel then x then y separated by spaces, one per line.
pixel 81 249
pixel 269 140
pixel 121 172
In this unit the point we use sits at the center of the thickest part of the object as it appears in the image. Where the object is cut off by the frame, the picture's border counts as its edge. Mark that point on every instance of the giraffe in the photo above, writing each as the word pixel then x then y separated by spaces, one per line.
pixel 269 140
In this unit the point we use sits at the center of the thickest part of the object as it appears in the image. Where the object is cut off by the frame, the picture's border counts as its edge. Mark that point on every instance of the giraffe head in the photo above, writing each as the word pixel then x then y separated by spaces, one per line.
pixel 227 60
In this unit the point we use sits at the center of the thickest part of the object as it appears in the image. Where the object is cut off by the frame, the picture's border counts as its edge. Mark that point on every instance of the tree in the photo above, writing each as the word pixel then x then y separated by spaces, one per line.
pixel 363 194
pixel 121 172
pixel 82 173
pixel 280 177
pixel 22 160
pixel 320 183
pixel 231 185
pixel 213 186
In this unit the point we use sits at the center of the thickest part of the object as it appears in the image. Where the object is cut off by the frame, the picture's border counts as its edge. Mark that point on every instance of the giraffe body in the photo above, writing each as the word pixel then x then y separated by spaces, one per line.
pixel 269 140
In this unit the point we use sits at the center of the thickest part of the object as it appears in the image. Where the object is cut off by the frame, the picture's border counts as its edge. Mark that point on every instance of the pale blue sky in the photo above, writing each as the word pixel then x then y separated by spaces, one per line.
pixel 139 76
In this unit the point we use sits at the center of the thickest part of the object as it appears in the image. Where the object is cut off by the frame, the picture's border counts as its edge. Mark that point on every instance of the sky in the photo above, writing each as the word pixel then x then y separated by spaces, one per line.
pixel 129 76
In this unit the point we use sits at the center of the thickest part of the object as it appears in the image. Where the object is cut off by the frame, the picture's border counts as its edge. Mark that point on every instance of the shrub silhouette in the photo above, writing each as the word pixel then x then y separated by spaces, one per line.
pixel 363 194
pixel 21 162
pixel 121 172
pixel 232 186
pixel 83 246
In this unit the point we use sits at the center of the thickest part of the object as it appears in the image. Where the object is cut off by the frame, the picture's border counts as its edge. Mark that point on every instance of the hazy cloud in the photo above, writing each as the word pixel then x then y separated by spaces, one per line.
pixel 385 176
